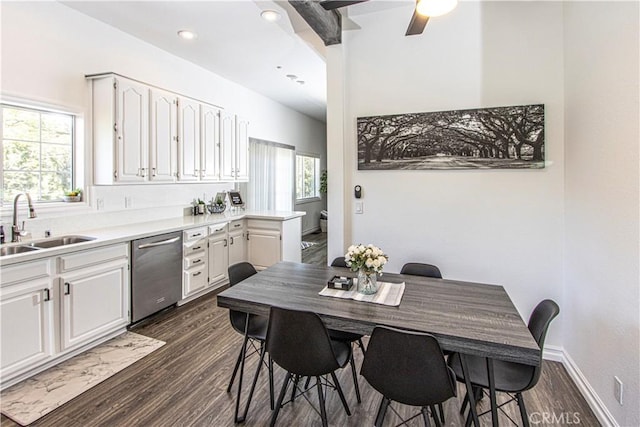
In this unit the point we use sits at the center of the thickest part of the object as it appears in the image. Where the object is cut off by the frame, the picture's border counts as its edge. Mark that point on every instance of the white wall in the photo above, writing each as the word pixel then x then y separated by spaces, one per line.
pixel 492 226
pixel 47 48
pixel 602 287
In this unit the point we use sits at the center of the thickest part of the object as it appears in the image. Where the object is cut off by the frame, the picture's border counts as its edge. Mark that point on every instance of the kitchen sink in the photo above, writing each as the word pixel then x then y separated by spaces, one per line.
pixel 61 241
pixel 12 250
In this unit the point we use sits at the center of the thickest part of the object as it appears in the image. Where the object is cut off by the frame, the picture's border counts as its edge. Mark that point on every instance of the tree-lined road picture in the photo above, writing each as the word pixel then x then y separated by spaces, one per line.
pixel 486 138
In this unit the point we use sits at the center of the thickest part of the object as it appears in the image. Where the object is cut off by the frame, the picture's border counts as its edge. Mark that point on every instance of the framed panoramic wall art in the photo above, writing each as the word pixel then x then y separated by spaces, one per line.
pixel 483 138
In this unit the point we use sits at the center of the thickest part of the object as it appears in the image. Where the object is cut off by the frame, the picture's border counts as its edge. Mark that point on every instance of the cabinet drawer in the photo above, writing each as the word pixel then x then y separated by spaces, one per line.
pixel 194 260
pixel 238 224
pixel 194 234
pixel 218 228
pixel 194 279
pixel 264 224
pixel 194 247
pixel 92 257
pixel 25 271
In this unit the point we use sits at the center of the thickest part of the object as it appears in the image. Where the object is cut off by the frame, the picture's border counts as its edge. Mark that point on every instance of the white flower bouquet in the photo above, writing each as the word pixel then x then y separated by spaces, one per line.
pixel 368 258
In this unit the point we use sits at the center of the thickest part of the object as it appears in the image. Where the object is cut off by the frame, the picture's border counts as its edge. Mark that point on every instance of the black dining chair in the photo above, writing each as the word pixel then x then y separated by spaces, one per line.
pixel 509 377
pixel 424 270
pixel 298 342
pixel 254 329
pixel 409 368
pixel 420 269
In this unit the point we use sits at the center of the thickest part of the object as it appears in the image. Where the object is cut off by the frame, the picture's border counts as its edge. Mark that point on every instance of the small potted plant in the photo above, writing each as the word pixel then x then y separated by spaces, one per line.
pixel 73 195
pixel 201 207
pixel 217 206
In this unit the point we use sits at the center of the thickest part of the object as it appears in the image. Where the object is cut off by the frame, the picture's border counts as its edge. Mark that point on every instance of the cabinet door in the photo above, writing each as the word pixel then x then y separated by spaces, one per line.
pixel 263 247
pixel 164 135
pixel 26 313
pixel 132 129
pixel 242 150
pixel 94 301
pixel 218 258
pixel 227 146
pixel 188 139
pixel 237 247
pixel 194 280
pixel 210 143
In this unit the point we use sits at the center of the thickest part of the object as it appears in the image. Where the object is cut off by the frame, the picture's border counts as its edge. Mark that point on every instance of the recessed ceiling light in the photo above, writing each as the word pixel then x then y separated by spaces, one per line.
pixel 292 76
pixel 300 82
pixel 270 15
pixel 187 35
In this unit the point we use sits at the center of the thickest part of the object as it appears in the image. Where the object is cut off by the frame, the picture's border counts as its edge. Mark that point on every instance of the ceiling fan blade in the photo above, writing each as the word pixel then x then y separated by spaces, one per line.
pixel 337 4
pixel 417 24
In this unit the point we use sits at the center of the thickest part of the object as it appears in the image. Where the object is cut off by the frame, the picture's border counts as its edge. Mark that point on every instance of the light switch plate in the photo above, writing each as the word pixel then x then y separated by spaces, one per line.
pixel 359 207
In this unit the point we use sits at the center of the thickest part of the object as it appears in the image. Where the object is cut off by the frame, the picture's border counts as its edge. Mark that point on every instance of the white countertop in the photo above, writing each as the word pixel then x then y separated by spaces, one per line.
pixel 128 232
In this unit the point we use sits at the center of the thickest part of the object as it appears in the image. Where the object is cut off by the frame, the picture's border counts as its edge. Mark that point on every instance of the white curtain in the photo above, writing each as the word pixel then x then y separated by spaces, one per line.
pixel 270 185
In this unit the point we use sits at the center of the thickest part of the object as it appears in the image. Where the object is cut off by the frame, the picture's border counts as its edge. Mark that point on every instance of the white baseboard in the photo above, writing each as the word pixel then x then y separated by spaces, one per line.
pixel 557 354
pixel 310 231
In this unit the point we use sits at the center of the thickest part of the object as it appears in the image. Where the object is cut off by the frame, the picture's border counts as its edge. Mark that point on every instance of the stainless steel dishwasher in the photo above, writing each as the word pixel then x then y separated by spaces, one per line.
pixel 156 274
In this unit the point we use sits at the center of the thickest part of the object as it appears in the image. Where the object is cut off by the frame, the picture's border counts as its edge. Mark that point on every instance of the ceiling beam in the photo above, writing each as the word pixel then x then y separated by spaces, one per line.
pixel 326 23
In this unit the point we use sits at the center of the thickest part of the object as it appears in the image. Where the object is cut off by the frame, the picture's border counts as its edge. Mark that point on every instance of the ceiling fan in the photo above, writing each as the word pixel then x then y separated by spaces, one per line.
pixel 423 11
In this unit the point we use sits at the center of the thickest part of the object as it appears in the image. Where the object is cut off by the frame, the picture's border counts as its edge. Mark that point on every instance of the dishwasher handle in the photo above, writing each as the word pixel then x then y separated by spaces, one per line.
pixel 161 243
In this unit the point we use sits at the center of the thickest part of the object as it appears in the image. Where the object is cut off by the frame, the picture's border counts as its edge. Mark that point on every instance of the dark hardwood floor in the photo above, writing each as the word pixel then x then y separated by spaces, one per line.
pixel 317 253
pixel 184 384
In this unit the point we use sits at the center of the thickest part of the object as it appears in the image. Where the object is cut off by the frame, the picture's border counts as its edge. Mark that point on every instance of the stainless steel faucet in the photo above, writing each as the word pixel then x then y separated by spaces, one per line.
pixel 16 232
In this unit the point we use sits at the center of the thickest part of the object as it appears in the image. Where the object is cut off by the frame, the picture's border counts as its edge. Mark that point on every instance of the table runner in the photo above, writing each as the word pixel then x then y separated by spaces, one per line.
pixel 388 293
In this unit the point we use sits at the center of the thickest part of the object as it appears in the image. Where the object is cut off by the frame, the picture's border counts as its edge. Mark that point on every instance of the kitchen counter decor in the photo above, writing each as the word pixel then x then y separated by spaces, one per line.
pixel 368 261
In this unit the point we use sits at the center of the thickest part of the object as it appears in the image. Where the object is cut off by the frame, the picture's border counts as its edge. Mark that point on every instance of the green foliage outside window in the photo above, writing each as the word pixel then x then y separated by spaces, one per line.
pixel 307 177
pixel 37 153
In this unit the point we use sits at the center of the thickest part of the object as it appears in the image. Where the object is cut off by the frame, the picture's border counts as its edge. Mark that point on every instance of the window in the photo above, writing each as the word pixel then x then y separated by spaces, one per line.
pixel 37 153
pixel 307 177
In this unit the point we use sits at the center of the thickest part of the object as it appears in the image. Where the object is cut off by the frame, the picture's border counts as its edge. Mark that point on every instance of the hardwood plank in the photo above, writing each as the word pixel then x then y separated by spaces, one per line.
pixel 184 382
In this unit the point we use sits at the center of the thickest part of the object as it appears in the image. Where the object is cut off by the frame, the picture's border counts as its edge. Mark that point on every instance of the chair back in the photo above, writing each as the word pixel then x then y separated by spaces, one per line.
pixel 408 367
pixel 237 273
pixel 539 322
pixel 299 343
pixel 339 262
pixel 420 269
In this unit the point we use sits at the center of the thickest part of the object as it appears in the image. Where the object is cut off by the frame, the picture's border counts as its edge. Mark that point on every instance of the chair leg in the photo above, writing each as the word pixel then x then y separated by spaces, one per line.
pixel 235 371
pixel 441 412
pixel 255 380
pixel 425 416
pixel 271 397
pixel 492 392
pixel 435 415
pixel 340 393
pixel 465 402
pixel 523 410
pixel 243 355
pixel 296 379
pixel 323 410
pixel 355 378
pixel 283 391
pixel 382 410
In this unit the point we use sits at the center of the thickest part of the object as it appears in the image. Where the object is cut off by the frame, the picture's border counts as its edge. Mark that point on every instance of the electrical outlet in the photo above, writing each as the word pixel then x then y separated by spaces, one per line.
pixel 617 389
pixel 99 203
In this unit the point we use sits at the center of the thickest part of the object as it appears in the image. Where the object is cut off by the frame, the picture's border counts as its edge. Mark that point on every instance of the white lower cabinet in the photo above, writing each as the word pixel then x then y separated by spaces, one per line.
pixel 26 314
pixel 218 249
pixel 272 241
pixel 94 300
pixel 52 307
pixel 194 252
pixel 237 242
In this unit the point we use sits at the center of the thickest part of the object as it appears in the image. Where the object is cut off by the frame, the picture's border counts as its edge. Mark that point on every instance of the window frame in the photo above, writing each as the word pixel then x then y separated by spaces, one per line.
pixel 317 171
pixel 79 172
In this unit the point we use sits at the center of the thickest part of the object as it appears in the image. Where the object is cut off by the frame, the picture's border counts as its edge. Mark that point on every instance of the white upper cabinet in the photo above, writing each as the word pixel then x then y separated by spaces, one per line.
pixel 144 134
pixel 189 139
pixel 164 136
pixel 234 148
pixel 209 143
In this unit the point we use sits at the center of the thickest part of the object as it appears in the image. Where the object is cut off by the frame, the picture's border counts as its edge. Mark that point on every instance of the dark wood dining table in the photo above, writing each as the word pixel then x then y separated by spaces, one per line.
pixel 469 318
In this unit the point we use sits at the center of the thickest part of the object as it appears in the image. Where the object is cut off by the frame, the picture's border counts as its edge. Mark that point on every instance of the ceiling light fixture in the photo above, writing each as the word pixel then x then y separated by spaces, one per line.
pixel 292 76
pixel 270 15
pixel 187 35
pixel 435 7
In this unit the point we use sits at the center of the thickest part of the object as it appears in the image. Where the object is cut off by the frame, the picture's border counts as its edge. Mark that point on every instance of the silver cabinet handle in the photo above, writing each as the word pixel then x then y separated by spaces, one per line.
pixel 163 242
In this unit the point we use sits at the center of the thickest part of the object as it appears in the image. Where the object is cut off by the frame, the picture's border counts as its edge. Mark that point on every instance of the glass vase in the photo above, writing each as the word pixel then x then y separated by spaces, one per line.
pixel 367 282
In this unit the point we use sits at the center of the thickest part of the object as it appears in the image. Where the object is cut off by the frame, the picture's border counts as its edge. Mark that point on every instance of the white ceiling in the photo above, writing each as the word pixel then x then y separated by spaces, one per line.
pixel 233 41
